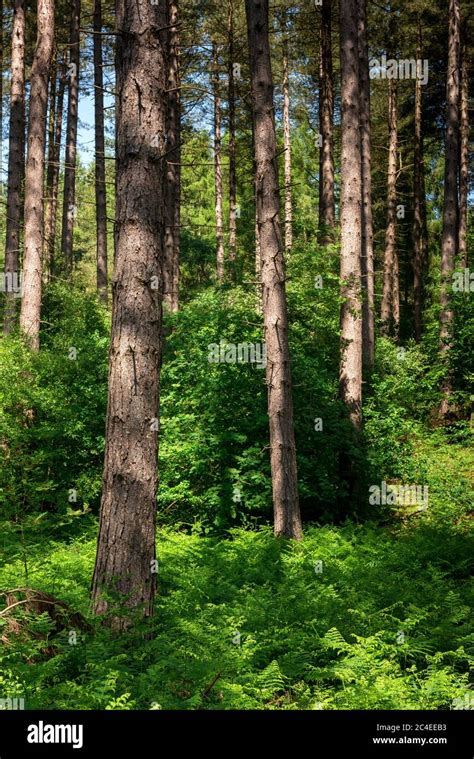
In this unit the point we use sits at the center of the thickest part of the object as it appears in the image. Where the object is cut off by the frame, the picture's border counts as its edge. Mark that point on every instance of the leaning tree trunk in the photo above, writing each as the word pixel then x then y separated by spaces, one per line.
pixel 31 302
pixel 367 256
pixel 419 241
pixel 51 210
pixel 449 241
pixel 327 214
pixel 232 147
pixel 69 201
pixel 218 164
pixel 100 186
pixel 388 307
pixel 464 157
pixel 280 402
pixel 126 544
pixel 350 375
pixel 173 176
pixel 15 158
pixel 287 149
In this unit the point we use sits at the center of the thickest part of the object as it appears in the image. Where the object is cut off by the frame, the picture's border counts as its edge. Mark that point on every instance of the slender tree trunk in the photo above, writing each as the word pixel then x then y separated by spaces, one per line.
pixel 15 158
pixel 53 78
pixel 218 163
pixel 367 257
pixel 126 544
pixel 280 403
pixel 34 223
pixel 232 147
pixel 327 214
pixel 100 186
pixel 1 98
pixel 350 375
pixel 69 204
pixel 287 148
pixel 419 241
pixel 450 239
pixel 388 308
pixel 51 211
pixel 464 157
pixel 173 177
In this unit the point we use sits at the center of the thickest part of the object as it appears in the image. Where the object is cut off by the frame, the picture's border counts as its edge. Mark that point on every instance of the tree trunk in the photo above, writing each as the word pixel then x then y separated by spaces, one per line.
pixel 173 176
pixel 350 375
pixel 218 164
pixel 388 309
pixel 31 302
pixel 69 207
pixel 449 241
pixel 367 257
pixel 53 78
pixel 126 544
pixel 1 98
pixel 278 372
pixel 327 214
pixel 51 211
pixel 464 157
pixel 419 241
pixel 287 149
pixel 16 158
pixel 100 186
pixel 232 149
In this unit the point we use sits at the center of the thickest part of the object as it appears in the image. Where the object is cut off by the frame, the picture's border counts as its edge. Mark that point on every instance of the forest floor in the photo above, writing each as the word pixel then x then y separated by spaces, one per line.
pixel 356 616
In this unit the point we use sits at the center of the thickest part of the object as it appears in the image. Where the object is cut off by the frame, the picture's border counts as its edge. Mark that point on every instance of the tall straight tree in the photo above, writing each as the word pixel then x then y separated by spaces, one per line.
pixel 327 213
pixel 53 83
pixel 126 544
pixel 99 140
pixel 287 518
pixel 34 223
pixel 232 142
pixel 1 95
pixel 464 156
pixel 389 314
pixel 419 211
pixel 173 171
pixel 449 241
pixel 350 373
pixel 287 148
pixel 15 157
pixel 218 163
pixel 69 201
pixel 367 256
pixel 53 165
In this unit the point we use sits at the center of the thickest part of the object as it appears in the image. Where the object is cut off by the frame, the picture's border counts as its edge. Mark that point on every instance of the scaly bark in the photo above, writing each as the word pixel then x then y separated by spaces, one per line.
pixel 287 518
pixel 99 139
pixel 287 149
pixel 34 223
pixel 126 543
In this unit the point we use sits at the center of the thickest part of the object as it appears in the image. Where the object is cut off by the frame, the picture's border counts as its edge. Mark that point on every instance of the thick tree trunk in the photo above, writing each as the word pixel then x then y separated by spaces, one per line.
pixel 15 158
pixel 419 241
pixel 278 372
pixel 69 207
pixel 350 375
pixel 173 175
pixel 218 163
pixel 126 543
pixel 287 149
pixel 232 147
pixel 450 239
pixel 31 301
pixel 100 186
pixel 464 158
pixel 327 214
pixel 389 306
pixel 367 256
pixel 51 209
